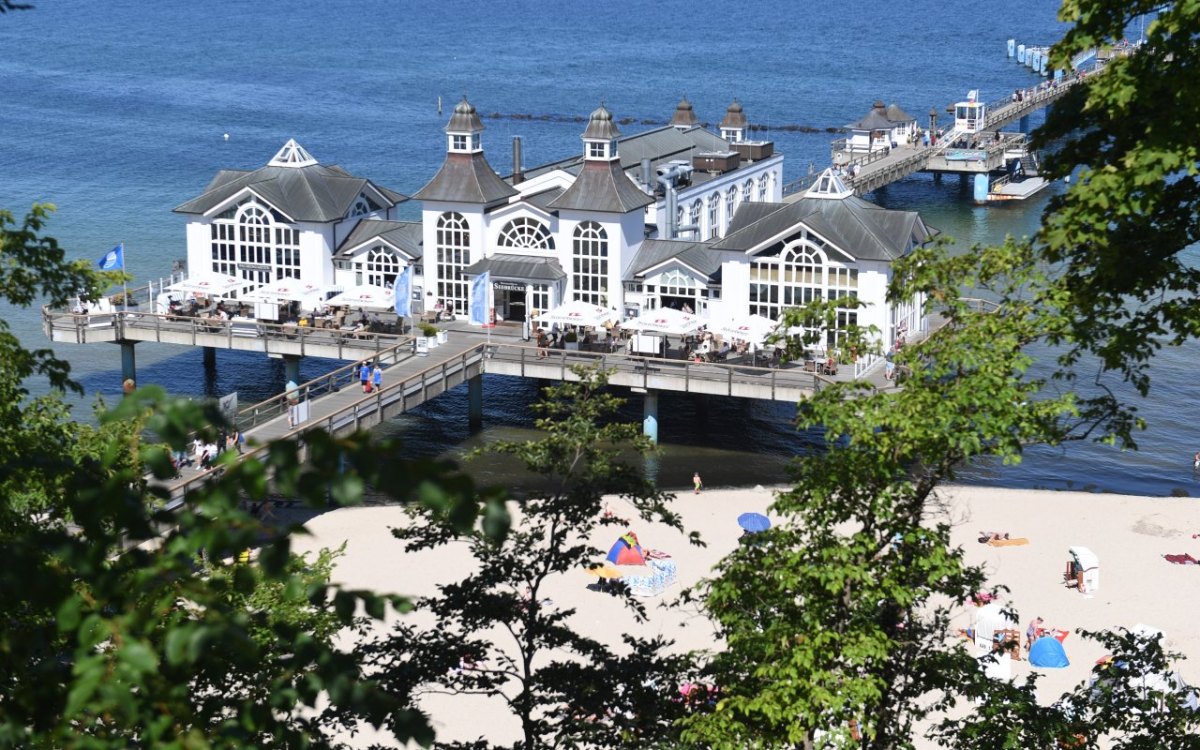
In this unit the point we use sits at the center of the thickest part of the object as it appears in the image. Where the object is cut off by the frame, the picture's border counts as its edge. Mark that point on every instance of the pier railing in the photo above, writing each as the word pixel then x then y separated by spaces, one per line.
pixel 178 329
pixel 411 390
pixel 331 382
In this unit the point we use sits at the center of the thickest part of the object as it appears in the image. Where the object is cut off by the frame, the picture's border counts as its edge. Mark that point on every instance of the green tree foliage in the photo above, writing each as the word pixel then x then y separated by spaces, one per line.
pixel 836 619
pixel 497 634
pixel 1119 237
pixel 125 620
pixel 840 614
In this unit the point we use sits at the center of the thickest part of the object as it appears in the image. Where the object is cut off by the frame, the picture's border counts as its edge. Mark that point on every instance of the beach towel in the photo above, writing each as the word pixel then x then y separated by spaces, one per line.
pixel 1184 559
pixel 1008 542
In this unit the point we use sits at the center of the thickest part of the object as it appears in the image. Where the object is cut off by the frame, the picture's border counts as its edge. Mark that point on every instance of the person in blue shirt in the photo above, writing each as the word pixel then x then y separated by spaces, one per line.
pixel 364 376
pixel 377 376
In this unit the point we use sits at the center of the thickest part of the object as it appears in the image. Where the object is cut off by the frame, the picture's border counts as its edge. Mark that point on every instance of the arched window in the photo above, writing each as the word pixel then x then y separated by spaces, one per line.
pixel 714 215
pixel 360 208
pixel 253 241
pixel 678 220
pixel 799 274
pixel 730 206
pixel 762 189
pixel 747 189
pixel 453 255
pixel 589 263
pixel 694 216
pixel 525 233
pixel 382 266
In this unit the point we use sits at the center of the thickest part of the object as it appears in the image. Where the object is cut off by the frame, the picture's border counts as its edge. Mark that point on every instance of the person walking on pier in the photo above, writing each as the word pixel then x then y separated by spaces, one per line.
pixel 377 376
pixel 364 377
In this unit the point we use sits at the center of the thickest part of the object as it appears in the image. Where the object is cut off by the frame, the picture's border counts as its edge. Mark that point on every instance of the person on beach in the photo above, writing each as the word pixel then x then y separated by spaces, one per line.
pixel 364 376
pixel 1033 632
pixel 699 485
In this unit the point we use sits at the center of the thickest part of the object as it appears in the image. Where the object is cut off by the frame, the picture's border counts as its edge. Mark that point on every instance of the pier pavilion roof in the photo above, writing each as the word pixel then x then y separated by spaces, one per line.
pixel 876 119
pixel 897 115
pixel 659 145
pixel 698 256
pixel 295 185
pixel 857 227
pixel 405 237
pixel 466 178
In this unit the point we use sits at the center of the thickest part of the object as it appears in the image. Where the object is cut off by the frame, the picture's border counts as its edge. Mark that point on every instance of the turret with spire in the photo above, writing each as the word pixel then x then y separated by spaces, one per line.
pixel 465 176
pixel 602 185
pixel 733 127
pixel 685 116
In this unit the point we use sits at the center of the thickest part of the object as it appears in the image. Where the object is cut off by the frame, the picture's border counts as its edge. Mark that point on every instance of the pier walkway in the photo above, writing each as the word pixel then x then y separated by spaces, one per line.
pixel 867 172
pixel 336 403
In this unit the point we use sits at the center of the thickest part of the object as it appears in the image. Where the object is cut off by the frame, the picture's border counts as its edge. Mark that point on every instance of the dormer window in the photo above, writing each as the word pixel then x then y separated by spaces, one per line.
pixel 597 150
pixel 458 142
pixel 475 142
pixel 733 136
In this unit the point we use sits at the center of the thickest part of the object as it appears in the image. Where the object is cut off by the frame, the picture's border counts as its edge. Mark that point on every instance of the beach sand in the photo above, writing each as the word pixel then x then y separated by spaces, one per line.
pixel 1128 534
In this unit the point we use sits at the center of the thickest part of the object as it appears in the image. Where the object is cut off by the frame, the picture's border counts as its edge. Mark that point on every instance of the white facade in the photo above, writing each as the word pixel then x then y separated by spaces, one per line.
pixel 247 224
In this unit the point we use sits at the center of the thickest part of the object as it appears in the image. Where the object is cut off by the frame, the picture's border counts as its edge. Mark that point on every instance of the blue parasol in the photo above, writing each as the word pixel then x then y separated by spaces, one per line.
pixel 754 522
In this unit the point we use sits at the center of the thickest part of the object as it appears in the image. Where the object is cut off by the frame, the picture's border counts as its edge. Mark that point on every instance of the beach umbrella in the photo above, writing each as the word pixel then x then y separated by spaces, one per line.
pixel 665 321
pixel 754 522
pixel 752 329
pixel 369 296
pixel 1048 653
pixel 289 289
pixel 211 284
pixel 627 551
pixel 577 313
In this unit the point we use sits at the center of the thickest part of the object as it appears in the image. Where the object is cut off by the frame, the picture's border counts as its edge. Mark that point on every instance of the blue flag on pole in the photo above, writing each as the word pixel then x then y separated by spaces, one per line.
pixel 403 291
pixel 113 260
pixel 480 286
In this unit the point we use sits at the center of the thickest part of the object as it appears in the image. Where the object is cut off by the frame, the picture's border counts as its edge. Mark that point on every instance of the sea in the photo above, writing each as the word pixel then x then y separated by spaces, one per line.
pixel 117 112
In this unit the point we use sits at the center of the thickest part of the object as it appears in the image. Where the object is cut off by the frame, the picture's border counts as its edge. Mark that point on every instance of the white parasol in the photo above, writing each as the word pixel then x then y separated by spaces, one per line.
pixel 752 329
pixel 577 313
pixel 212 284
pixel 664 321
pixel 287 289
pixel 368 296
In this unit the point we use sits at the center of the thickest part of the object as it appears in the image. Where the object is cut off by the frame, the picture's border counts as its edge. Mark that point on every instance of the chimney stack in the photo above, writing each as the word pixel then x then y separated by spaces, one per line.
pixel 518 170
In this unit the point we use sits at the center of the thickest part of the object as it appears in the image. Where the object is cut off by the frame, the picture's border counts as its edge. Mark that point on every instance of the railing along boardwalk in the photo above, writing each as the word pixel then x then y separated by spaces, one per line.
pixel 269 338
pixel 337 404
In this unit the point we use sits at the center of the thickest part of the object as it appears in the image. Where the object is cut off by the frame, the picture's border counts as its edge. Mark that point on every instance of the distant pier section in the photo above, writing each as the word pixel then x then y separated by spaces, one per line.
pixel 887 145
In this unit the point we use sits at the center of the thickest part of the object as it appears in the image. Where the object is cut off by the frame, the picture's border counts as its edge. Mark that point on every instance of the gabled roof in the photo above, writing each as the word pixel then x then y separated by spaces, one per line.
pixel 405 236
pixel 857 227
pixel 543 199
pixel 518 268
pixel 466 178
pixel 699 256
pixel 603 187
pixel 748 213
pixel 876 119
pixel 303 190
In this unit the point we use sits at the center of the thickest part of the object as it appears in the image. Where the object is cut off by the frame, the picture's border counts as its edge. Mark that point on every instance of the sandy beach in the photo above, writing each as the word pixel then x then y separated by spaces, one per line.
pixel 1128 534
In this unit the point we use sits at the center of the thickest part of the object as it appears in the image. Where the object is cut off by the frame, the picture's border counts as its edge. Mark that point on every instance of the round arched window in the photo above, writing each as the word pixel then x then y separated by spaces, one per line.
pixel 526 233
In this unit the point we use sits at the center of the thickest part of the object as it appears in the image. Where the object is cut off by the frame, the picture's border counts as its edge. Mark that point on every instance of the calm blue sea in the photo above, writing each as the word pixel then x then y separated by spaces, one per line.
pixel 116 113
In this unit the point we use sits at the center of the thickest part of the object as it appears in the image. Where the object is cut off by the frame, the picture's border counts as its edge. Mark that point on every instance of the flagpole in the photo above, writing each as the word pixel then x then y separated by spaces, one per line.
pixel 124 283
